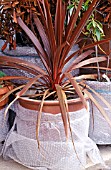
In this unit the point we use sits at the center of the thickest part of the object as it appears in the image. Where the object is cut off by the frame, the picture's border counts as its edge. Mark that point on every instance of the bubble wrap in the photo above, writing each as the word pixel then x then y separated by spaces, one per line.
pixel 21 51
pixel 52 155
pixel 4 126
pixel 27 119
pixel 100 132
pixel 55 153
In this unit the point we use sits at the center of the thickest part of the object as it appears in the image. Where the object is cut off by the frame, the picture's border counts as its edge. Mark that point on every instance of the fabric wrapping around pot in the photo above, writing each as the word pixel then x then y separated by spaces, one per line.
pixel 55 153
pixel 30 54
pixel 100 131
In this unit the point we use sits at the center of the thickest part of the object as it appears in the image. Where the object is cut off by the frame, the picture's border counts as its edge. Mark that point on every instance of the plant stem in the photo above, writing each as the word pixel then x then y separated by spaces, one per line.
pixel 108 57
pixel 98 71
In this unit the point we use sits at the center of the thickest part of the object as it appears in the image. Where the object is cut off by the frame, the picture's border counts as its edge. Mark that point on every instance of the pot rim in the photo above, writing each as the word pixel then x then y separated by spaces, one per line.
pixel 51 106
pixel 54 102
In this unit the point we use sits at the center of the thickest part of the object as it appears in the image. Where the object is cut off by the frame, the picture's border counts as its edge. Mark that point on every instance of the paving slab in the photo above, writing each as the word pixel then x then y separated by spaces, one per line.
pixel 10 165
pixel 105 151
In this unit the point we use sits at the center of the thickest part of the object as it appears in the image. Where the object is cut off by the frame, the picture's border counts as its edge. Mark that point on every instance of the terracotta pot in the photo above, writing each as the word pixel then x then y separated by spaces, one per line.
pixel 3 91
pixel 21 143
pixel 27 112
pixel 50 106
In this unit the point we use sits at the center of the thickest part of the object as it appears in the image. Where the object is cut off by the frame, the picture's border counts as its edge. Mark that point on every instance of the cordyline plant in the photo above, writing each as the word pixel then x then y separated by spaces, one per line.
pixel 56 38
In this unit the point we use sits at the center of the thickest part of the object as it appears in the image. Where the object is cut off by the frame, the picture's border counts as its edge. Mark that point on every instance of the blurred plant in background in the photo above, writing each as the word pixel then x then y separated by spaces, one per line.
pixel 104 11
pixel 94 28
pixel 9 28
pixel 8 25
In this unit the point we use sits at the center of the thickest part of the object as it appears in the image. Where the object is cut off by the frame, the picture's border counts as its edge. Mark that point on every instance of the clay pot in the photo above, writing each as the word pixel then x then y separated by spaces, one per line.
pixel 27 113
pixel 3 91
pixel 50 106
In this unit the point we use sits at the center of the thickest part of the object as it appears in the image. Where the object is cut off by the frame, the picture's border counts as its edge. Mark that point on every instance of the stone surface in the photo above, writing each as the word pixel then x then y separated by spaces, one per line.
pixel 10 165
pixel 106 154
